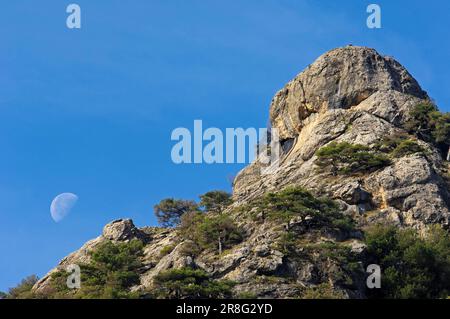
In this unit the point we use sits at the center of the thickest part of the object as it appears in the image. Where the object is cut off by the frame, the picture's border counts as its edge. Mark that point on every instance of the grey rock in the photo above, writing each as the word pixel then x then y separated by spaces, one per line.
pixel 121 230
pixel 354 95
pixel 339 79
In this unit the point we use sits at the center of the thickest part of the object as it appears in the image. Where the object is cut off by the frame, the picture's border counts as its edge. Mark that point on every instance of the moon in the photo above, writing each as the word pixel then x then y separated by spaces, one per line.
pixel 62 205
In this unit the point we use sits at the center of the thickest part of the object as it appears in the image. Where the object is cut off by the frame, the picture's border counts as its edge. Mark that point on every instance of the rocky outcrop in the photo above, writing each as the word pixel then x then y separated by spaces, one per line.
pixel 339 79
pixel 122 230
pixel 355 95
pixel 350 94
pixel 118 230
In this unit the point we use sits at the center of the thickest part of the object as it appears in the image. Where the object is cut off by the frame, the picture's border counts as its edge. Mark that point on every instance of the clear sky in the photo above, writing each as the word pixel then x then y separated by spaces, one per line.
pixel 91 111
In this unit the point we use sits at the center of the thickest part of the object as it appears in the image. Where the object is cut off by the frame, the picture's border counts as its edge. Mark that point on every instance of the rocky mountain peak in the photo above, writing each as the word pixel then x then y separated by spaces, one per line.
pixel 339 79
pixel 353 95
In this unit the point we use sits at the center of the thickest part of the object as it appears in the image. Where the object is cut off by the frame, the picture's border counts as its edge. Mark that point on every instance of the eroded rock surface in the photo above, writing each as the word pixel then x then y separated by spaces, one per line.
pixel 355 95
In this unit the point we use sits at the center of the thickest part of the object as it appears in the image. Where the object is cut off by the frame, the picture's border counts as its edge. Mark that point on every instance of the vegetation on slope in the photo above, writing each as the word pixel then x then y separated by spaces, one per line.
pixel 209 232
pixel 169 211
pixel 190 283
pixel 22 290
pixel 298 202
pixel 413 266
pixel 399 145
pixel 346 158
pixel 112 271
pixel 430 125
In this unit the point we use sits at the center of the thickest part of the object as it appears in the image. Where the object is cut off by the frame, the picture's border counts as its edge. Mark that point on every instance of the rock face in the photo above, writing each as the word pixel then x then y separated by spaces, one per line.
pixel 350 94
pixel 339 79
pixel 355 95
pixel 121 230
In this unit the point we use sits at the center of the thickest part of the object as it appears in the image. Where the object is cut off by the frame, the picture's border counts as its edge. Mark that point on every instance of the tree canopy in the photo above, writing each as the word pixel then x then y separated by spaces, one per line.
pixel 169 210
pixel 429 124
pixel 346 158
pixel 412 266
pixel 22 290
pixel 190 283
pixel 215 201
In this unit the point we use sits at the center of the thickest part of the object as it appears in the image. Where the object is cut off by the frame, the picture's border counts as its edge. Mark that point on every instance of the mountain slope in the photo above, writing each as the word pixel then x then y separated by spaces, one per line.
pixel 349 96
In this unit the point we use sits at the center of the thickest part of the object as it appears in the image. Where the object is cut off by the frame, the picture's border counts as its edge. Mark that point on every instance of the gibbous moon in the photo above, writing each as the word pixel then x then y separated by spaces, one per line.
pixel 61 205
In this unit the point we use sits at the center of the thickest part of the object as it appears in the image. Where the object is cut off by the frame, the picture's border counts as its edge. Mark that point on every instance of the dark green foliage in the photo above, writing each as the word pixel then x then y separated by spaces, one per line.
pixel 390 143
pixel 419 122
pixel 169 211
pixel 167 250
pixel 215 201
pixel 287 243
pixel 407 147
pixel 3 295
pixel 341 254
pixel 22 290
pixel 346 158
pixel 399 145
pixel 412 266
pixel 190 248
pixel 441 125
pixel 430 125
pixel 296 201
pixel 207 231
pixel 110 274
pixel 188 283
pixel 247 295
pixel 322 291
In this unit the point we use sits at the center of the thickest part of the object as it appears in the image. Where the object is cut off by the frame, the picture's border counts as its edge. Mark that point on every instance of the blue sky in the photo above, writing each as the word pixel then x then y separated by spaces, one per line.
pixel 91 111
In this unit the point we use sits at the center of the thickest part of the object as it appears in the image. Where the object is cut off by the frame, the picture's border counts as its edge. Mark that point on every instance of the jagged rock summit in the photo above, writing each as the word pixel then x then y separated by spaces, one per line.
pixel 341 79
pixel 350 94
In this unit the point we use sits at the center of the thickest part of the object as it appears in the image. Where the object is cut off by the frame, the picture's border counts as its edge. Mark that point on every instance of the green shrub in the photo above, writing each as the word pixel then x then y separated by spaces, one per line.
pixel 110 273
pixel 419 122
pixel 399 145
pixel 190 248
pixel 22 290
pixel 322 291
pixel 166 250
pixel 287 243
pixel 247 295
pixel 421 118
pixel 430 125
pixel 210 231
pixel 347 262
pixel 406 148
pixel 346 158
pixel 215 201
pixel 296 201
pixel 412 266
pixel 190 283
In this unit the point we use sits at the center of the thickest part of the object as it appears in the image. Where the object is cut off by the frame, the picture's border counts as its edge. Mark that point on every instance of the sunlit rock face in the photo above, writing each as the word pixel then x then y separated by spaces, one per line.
pixel 355 95
pixel 339 79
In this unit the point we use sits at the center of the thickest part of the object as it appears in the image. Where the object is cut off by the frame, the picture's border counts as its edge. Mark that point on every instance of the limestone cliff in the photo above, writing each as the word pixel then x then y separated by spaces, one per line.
pixel 354 95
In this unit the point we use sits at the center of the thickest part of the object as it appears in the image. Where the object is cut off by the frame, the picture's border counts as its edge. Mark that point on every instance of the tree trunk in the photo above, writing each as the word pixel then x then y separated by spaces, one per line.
pixel 448 154
pixel 220 246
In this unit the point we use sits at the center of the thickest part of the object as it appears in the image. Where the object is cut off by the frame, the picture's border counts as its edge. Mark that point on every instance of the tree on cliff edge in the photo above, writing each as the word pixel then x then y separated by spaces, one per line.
pixel 169 211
